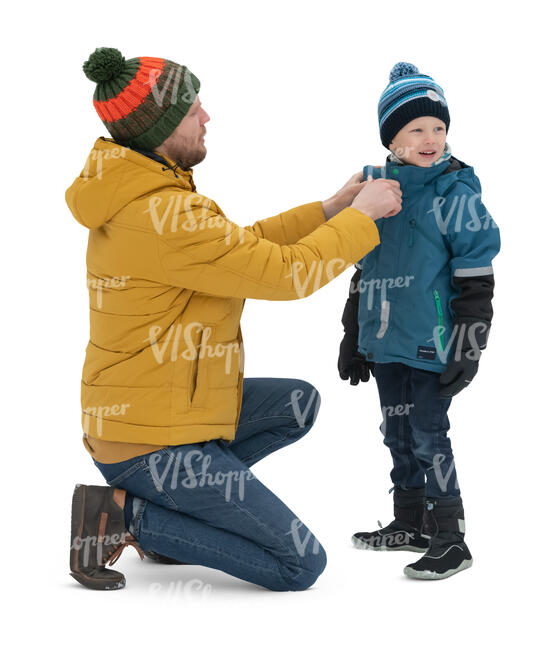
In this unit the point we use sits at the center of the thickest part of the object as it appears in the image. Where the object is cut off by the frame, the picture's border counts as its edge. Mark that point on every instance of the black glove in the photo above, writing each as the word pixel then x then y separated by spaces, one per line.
pixel 469 341
pixel 351 364
pixel 457 376
pixel 473 315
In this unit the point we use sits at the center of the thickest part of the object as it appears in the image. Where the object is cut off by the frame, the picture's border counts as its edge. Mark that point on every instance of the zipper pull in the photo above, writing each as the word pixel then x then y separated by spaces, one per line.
pixel 438 303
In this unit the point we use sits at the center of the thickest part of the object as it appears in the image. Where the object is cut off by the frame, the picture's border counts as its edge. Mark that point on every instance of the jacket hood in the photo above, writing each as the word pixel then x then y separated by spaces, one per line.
pixel 456 173
pixel 114 176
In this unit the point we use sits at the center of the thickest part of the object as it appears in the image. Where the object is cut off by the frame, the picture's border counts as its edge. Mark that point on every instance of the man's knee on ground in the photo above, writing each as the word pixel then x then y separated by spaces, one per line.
pixel 312 564
pixel 305 404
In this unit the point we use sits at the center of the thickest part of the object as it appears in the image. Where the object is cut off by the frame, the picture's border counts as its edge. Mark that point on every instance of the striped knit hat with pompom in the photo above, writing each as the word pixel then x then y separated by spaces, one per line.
pixel 409 95
pixel 141 101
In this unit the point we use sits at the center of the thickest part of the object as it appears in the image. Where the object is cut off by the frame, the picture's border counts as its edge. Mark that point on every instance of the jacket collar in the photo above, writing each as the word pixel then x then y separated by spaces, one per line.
pixel 183 176
pixel 412 177
pixel 150 154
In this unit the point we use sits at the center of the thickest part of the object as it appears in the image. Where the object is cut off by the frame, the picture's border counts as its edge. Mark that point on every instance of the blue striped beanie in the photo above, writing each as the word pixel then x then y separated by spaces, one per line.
pixel 409 95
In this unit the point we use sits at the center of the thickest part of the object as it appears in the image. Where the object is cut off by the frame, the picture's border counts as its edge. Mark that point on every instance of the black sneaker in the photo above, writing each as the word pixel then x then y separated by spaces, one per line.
pixel 397 536
pixel 403 533
pixel 442 560
pixel 98 536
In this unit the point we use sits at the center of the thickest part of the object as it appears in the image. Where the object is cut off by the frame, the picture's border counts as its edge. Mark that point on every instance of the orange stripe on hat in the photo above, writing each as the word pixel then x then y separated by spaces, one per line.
pixel 134 94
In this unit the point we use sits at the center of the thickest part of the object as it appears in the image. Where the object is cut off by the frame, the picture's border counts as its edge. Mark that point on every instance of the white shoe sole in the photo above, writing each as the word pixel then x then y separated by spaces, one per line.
pixel 358 543
pixel 432 575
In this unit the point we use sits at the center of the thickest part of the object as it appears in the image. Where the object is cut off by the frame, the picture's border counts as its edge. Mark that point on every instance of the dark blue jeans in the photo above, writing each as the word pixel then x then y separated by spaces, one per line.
pixel 200 503
pixel 415 426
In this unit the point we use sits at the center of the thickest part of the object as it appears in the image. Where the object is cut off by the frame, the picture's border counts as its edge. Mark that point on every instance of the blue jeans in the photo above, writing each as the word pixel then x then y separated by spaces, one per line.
pixel 200 503
pixel 415 426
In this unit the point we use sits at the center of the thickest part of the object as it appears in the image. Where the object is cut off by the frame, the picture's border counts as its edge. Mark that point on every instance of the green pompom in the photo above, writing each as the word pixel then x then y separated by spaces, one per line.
pixel 104 63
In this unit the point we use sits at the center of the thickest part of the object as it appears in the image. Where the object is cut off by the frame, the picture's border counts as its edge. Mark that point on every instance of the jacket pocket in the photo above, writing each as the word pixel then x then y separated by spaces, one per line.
pixel 440 321
pixel 199 379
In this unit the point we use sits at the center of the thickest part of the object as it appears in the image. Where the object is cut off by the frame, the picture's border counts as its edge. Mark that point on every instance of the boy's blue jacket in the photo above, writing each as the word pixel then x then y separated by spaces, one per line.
pixel 443 237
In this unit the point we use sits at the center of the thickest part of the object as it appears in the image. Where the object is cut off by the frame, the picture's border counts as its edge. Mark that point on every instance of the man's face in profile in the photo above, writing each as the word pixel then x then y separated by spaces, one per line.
pixel 186 143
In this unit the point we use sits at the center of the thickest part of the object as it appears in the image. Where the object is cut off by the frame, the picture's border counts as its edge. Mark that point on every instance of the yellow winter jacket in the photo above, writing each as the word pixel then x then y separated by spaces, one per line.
pixel 168 275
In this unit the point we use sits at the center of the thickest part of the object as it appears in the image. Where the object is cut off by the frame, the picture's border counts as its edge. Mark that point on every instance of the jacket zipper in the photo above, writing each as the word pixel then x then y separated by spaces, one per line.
pixel 439 318
pixel 412 224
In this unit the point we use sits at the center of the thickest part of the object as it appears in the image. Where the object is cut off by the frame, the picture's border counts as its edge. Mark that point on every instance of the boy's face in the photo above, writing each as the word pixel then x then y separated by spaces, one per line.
pixel 415 139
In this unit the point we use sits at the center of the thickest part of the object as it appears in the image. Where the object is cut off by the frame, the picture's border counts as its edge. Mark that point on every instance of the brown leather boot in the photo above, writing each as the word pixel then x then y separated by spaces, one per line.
pixel 98 535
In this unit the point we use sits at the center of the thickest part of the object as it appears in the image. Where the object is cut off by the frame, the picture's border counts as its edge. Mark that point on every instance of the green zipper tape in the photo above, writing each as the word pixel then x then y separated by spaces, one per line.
pixel 439 318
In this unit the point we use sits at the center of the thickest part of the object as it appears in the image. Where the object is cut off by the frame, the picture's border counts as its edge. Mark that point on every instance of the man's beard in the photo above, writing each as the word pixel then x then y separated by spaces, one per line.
pixel 188 159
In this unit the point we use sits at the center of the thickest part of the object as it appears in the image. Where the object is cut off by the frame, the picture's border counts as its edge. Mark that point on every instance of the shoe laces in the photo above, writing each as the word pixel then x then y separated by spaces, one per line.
pixel 114 556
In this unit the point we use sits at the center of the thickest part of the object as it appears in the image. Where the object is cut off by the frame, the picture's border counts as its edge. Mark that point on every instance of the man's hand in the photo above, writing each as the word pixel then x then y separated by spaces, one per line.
pixel 344 197
pixel 379 198
pixel 376 198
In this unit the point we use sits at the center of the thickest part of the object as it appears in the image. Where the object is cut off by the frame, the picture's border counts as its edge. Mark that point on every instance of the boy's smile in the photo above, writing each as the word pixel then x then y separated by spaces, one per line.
pixel 420 142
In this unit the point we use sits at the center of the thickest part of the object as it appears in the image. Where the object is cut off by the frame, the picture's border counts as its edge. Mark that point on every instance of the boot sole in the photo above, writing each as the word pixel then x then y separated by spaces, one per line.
pixel 358 543
pixel 77 505
pixel 97 583
pixel 432 575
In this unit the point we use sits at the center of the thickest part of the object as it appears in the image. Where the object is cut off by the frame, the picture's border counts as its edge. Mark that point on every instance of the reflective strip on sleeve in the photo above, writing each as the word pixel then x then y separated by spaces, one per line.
pixel 468 273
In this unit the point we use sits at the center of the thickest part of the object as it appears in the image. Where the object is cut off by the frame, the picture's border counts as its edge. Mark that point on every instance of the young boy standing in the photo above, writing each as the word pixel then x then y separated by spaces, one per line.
pixel 418 316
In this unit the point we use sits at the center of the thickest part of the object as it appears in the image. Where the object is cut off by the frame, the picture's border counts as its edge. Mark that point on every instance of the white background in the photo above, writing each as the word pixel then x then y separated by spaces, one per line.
pixel 292 91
